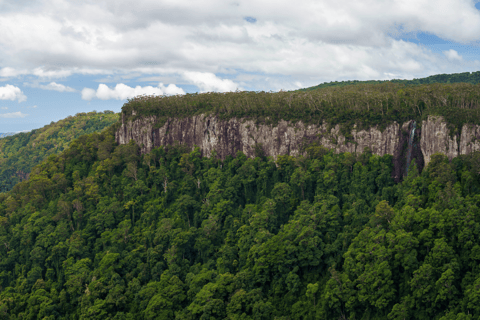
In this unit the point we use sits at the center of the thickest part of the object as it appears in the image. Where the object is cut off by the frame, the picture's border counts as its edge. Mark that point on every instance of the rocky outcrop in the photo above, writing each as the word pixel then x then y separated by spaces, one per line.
pixel 226 137
pixel 436 139
pixel 469 139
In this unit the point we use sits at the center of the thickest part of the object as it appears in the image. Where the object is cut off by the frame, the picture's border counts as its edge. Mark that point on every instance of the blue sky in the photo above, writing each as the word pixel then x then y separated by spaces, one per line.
pixel 58 57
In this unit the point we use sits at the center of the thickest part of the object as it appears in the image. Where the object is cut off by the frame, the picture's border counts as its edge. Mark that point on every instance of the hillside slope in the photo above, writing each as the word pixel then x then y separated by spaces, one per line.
pixel 21 152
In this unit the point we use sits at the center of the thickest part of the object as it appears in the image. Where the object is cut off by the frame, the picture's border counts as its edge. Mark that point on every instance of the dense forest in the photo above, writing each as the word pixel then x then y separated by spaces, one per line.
pixel 102 232
pixel 465 77
pixel 19 153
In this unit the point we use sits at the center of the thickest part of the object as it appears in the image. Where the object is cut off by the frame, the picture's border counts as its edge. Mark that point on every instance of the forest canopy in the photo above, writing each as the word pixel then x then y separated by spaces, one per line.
pixel 102 232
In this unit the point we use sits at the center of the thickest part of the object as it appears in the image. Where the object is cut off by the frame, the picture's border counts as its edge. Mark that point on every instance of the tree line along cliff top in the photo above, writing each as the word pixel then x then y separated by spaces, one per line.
pixel 363 104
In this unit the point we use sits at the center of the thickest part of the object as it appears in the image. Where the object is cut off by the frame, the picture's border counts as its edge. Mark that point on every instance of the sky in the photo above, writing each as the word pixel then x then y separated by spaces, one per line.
pixel 59 58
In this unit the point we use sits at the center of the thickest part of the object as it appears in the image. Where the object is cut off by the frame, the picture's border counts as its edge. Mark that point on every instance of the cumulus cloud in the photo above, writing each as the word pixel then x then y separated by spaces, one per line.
pixel 122 91
pixel 452 55
pixel 17 114
pixel 208 82
pixel 10 92
pixel 56 87
pixel 11 72
pixel 314 41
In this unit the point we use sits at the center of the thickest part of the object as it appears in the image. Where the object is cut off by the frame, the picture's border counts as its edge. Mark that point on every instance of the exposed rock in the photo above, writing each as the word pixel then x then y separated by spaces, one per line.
pixel 470 139
pixel 139 130
pixel 227 137
pixel 436 139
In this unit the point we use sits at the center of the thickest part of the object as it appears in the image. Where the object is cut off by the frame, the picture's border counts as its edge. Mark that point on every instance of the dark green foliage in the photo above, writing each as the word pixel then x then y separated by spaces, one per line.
pixel 100 232
pixel 21 152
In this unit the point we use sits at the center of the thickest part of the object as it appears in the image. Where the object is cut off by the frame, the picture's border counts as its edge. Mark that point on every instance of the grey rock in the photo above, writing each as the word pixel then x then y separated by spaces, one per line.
pixel 227 137
pixel 436 139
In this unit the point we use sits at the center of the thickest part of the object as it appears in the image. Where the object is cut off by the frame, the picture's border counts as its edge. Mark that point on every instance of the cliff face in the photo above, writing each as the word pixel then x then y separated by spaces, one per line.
pixel 436 138
pixel 226 137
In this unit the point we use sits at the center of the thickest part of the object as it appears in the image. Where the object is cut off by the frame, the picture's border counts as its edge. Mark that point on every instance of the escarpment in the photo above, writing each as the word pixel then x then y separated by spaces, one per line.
pixel 227 137
pixel 405 142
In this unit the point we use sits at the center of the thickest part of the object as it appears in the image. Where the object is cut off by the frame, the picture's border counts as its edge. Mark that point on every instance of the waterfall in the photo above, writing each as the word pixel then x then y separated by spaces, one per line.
pixel 410 145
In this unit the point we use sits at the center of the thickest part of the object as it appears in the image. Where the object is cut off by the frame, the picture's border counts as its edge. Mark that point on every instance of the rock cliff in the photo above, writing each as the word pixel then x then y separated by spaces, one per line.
pixel 402 141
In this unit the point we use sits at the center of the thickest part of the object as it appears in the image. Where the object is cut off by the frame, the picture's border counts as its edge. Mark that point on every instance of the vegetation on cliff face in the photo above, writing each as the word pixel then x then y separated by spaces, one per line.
pixel 21 152
pixel 101 232
pixel 366 105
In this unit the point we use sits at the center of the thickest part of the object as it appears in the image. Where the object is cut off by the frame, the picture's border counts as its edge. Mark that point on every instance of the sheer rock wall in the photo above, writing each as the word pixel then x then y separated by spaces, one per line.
pixel 227 137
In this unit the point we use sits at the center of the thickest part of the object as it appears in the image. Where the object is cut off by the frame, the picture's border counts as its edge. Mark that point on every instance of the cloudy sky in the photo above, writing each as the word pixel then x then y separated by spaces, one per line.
pixel 58 57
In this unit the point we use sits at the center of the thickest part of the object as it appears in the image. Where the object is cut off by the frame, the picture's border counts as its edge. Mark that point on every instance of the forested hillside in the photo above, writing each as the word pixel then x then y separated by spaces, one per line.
pixel 465 77
pixel 101 232
pixel 21 152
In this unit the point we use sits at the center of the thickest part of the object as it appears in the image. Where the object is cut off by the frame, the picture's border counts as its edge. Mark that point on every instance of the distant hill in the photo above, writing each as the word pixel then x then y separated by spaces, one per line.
pixel 6 134
pixel 466 77
pixel 20 152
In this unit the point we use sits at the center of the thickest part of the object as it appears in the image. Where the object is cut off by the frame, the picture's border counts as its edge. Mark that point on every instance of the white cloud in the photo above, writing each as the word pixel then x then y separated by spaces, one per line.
pixel 17 114
pixel 10 92
pixel 452 55
pixel 4 108
pixel 56 87
pixel 11 72
pixel 288 43
pixel 122 91
pixel 42 73
pixel 88 94
pixel 207 82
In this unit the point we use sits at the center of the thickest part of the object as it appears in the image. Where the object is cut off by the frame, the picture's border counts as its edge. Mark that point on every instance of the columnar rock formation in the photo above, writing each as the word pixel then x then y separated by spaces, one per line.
pixel 229 136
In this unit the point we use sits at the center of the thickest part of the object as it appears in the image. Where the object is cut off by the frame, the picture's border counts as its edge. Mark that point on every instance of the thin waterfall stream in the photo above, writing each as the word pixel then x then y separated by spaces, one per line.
pixel 410 144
